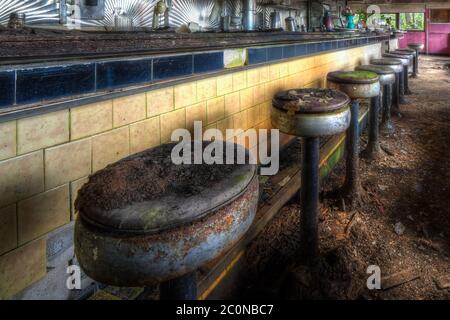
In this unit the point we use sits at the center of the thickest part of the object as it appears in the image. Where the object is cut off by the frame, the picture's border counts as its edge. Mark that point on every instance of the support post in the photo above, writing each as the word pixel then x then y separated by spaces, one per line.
pixel 352 184
pixel 373 145
pixel 387 126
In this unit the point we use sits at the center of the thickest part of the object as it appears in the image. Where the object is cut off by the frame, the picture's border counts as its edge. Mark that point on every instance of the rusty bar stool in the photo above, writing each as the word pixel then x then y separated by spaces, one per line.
pixel 402 84
pixel 396 66
pixel 310 113
pixel 417 47
pixel 145 220
pixel 387 79
pixel 413 52
pixel 406 69
pixel 357 85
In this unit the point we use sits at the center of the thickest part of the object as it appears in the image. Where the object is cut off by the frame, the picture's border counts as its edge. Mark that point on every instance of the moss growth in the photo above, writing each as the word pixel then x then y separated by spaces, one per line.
pixel 360 74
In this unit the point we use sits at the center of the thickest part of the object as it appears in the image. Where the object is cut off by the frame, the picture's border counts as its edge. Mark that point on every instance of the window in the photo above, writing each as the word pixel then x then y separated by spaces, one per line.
pixel 390 18
pixel 412 21
pixel 440 15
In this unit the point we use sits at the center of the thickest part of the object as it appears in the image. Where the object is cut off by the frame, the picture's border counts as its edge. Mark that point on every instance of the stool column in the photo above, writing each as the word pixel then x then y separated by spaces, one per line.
pixel 417 61
pixel 401 87
pixel 309 196
pixel 405 76
pixel 352 160
pixel 181 288
pixel 373 145
pixel 386 124
pixel 395 107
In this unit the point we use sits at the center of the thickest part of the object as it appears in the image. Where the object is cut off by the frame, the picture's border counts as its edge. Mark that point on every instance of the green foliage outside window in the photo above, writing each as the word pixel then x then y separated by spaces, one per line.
pixel 412 21
pixel 390 19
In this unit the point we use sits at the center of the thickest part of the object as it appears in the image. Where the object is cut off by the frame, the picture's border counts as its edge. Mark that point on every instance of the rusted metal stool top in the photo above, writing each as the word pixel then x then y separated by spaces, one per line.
pixel 404 53
pixel 387 76
pixel 418 46
pixel 310 112
pixel 407 50
pixel 147 193
pixel 395 64
pixel 404 59
pixel 356 84
pixel 144 219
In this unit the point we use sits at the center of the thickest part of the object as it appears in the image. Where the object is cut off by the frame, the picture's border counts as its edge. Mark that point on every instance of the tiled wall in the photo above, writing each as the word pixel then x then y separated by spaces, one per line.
pixel 45 159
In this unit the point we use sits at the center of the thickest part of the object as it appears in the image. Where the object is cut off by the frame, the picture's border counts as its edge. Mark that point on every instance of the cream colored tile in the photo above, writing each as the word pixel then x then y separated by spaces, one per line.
pixel 259 95
pixel 232 103
pixel 224 84
pixel 225 124
pixel 67 162
pixel 185 94
pixel 252 77
pixel 246 98
pixel 264 75
pixel 252 116
pixel 240 120
pixel 171 121
pixel 197 112
pixel 129 109
pixel 160 101
pixel 274 71
pixel 90 119
pixel 43 213
pixel 144 135
pixel 75 186
pixel 110 147
pixel 284 69
pixel 8 147
pixel 22 267
pixel 21 177
pixel 239 80
pixel 42 131
pixel 215 109
pixel 206 89
pixel 8 228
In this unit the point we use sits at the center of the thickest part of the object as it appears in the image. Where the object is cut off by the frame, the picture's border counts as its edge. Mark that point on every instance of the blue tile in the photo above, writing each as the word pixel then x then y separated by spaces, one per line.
pixel 289 51
pixel 257 55
pixel 115 74
pixel 208 62
pixel 301 49
pixel 6 88
pixel 173 66
pixel 328 46
pixel 54 82
pixel 274 53
pixel 312 48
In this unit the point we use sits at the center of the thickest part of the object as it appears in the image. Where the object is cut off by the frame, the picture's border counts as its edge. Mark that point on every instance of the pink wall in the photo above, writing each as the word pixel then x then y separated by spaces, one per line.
pixel 438 37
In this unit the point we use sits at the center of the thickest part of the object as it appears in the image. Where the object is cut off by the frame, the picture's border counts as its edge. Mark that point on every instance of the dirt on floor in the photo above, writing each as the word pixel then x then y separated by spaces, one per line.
pixel 402 226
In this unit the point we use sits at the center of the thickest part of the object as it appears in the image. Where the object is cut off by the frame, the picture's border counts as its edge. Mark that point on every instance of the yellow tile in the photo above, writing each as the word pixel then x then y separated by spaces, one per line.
pixel 274 71
pixel 225 124
pixel 42 131
pixel 252 116
pixel 306 63
pixel 293 67
pixel 171 121
pixel 232 103
pixel 215 109
pixel 239 80
pixel 264 74
pixel 110 147
pixel 252 77
pixel 240 120
pixel 259 94
pixel 159 101
pixel 8 228
pixel 206 89
pixel 74 187
pixel 197 112
pixel 246 98
pixel 90 119
pixel 264 111
pixel 129 109
pixel 67 162
pixel 224 84
pixel 7 140
pixel 43 213
pixel 185 94
pixel 284 69
pixel 22 267
pixel 144 134
pixel 21 177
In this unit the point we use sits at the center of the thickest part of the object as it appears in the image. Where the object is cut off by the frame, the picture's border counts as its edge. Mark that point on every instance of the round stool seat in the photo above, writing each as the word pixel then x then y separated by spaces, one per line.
pixel 412 51
pixel 356 84
pixel 387 76
pixel 310 112
pixel 395 64
pixel 417 46
pixel 410 55
pixel 144 219
pixel 405 60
